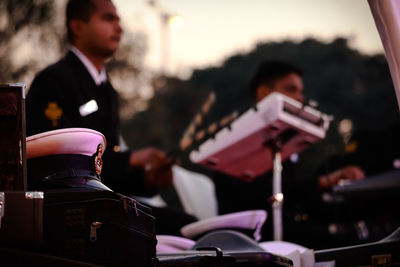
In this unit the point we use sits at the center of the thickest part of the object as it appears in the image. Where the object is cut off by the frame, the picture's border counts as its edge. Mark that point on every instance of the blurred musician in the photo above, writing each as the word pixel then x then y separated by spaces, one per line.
pixel 369 207
pixel 285 78
pixel 234 194
pixel 76 92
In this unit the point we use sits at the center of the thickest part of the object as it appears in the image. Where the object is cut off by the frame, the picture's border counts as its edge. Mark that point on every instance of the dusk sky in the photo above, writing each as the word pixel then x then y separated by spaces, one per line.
pixel 212 30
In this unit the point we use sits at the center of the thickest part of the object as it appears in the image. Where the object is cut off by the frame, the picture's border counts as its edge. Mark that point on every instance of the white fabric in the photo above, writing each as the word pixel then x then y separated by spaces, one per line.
pixel 249 219
pixel 88 108
pixel 155 201
pixel 169 243
pixel 196 192
pixel 386 14
pixel 98 77
pixel 123 146
pixel 301 256
pixel 64 141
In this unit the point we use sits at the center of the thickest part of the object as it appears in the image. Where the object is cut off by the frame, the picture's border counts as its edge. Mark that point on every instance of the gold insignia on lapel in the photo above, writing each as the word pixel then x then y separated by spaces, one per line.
pixel 98 161
pixel 53 112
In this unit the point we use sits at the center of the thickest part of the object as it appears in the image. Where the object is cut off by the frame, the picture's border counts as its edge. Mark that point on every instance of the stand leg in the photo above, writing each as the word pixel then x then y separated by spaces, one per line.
pixel 278 197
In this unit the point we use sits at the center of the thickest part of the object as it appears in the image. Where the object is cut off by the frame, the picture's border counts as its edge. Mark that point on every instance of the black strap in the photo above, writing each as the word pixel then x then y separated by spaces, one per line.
pixel 72 173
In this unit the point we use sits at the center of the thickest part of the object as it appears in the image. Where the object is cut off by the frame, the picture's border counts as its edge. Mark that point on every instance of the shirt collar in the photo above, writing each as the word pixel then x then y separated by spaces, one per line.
pixel 98 78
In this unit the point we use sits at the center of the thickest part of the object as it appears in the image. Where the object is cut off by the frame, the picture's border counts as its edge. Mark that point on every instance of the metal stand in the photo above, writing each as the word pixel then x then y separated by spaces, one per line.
pixel 277 195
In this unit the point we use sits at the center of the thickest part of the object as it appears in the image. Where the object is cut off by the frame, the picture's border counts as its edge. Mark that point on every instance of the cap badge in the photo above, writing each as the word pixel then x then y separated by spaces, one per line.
pixel 98 161
pixel 53 112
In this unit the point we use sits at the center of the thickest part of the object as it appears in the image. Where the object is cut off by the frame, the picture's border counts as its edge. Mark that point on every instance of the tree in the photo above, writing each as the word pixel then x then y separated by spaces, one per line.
pixel 33 35
pixel 22 21
pixel 345 83
pixel 128 74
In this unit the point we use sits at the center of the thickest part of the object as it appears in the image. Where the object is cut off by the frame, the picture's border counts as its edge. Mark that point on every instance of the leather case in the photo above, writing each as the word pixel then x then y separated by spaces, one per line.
pixel 12 137
pixel 21 219
pixel 100 227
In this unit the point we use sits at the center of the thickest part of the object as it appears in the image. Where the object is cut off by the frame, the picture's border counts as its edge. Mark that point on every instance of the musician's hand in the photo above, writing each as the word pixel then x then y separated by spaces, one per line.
pixel 349 173
pixel 156 165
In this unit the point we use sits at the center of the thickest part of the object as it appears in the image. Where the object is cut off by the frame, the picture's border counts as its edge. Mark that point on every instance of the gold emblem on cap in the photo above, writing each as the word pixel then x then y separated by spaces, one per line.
pixel 53 112
pixel 98 161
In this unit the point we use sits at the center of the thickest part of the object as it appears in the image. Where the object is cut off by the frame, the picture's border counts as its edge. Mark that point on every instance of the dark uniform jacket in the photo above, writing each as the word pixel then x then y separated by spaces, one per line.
pixel 53 102
pixel 301 195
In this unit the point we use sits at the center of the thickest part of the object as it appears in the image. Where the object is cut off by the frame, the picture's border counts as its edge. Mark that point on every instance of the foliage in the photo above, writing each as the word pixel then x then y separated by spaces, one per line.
pixel 33 35
pixel 128 74
pixel 345 83
pixel 19 21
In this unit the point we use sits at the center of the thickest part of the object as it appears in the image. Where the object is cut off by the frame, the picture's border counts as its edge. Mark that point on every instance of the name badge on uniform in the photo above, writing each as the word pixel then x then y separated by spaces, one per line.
pixel 88 108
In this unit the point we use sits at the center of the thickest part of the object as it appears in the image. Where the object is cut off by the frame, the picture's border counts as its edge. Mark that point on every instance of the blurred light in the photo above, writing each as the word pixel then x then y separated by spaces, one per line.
pixel 151 3
pixel 175 22
pixel 396 163
pixel 313 103
pixel 294 158
pixel 333 229
pixel 345 126
pixel 279 197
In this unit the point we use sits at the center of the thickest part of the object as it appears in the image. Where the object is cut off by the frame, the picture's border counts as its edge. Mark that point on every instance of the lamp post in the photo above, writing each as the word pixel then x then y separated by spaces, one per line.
pixel 164 41
pixel 167 20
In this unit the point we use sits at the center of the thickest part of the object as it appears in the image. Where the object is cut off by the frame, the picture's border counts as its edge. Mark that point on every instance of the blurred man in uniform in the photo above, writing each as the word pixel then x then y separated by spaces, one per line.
pixel 76 92
pixel 236 195
pixel 287 79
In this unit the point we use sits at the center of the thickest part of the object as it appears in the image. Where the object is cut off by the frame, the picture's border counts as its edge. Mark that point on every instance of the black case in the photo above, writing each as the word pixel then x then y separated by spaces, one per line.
pixel 231 248
pixel 12 137
pixel 220 258
pixel 21 216
pixel 385 252
pixel 100 227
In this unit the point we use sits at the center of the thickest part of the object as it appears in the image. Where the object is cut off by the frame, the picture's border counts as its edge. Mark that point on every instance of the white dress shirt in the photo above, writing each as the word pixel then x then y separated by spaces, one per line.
pixel 98 77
